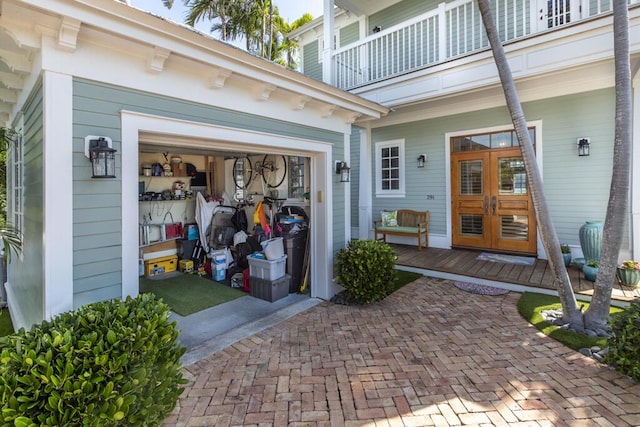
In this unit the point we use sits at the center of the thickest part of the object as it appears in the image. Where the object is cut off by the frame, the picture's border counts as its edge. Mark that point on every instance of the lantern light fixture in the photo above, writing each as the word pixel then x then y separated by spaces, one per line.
pixel 422 159
pixel 583 146
pixel 100 152
pixel 343 169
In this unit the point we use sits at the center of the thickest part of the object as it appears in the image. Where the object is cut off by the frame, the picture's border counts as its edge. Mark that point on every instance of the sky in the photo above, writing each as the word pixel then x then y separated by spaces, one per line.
pixel 289 9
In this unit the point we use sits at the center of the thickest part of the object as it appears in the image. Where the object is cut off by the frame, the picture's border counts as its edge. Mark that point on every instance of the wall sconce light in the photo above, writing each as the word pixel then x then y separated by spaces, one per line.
pixel 377 29
pixel 422 159
pixel 342 169
pixel 99 150
pixel 583 146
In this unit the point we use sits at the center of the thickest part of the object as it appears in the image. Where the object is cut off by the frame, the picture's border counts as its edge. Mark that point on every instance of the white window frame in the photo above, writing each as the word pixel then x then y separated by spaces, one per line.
pixel 17 180
pixel 379 146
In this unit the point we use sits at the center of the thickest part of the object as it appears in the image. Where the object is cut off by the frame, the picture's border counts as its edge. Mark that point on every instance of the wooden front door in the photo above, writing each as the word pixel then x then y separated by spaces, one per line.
pixel 491 202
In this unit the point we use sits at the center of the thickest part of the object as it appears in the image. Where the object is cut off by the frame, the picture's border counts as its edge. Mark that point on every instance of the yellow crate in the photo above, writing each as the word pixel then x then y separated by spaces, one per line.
pixel 186 265
pixel 162 265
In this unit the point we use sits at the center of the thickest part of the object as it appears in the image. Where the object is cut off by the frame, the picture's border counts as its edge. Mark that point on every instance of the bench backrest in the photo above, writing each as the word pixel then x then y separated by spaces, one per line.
pixel 410 218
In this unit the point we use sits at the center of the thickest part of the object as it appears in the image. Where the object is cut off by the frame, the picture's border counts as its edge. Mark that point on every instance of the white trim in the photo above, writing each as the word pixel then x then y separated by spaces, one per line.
pixel 365 201
pixel 447 159
pixel 58 193
pixel 400 192
pixel 224 138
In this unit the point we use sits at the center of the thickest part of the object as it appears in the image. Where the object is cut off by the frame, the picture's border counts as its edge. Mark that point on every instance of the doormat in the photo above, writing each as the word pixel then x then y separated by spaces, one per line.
pixel 506 259
pixel 475 288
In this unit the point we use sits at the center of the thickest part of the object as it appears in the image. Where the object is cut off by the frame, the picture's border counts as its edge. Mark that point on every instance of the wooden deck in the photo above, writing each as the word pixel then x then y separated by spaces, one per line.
pixel 465 263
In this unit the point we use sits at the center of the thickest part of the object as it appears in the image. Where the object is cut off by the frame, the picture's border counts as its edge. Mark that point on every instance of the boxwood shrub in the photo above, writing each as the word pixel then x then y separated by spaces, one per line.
pixel 105 364
pixel 365 268
pixel 624 345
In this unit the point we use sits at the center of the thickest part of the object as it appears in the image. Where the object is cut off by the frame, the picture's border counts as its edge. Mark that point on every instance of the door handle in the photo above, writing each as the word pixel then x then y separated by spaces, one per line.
pixel 486 205
pixel 494 205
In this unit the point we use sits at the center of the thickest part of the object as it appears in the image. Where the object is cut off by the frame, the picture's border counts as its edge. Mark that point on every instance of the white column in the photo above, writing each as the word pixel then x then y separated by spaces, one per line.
pixel 365 203
pixel 58 193
pixel 327 37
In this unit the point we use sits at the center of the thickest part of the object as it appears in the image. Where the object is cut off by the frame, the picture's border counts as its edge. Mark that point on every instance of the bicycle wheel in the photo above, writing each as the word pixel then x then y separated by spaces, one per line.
pixel 274 170
pixel 242 172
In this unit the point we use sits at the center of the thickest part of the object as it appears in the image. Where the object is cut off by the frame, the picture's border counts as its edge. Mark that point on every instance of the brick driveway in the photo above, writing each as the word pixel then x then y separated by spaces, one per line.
pixel 429 354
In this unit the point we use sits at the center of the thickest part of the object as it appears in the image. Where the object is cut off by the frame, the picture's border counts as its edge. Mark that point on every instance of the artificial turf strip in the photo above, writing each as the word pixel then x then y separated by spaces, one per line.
pixel 530 305
pixel 188 293
pixel 404 278
pixel 6 327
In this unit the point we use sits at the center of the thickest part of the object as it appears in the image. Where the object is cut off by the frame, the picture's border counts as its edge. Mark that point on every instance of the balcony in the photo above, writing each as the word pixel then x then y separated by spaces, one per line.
pixel 450 31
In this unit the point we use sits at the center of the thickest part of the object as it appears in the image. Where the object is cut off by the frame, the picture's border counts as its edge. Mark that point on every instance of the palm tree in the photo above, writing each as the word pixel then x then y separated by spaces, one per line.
pixel 571 312
pixel 286 49
pixel 597 313
pixel 212 10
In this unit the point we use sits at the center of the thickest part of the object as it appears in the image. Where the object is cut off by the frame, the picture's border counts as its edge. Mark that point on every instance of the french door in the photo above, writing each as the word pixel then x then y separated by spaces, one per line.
pixel 491 202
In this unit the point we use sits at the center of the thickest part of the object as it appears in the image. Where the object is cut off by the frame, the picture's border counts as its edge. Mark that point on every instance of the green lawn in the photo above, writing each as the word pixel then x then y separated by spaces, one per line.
pixel 6 327
pixel 404 278
pixel 531 304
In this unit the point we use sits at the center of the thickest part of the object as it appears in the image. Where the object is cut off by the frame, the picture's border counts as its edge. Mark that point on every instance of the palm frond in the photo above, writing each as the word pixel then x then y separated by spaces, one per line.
pixel 11 240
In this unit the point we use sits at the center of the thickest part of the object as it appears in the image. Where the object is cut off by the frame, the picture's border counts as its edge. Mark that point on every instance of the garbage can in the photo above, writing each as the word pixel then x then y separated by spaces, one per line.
pixel 294 240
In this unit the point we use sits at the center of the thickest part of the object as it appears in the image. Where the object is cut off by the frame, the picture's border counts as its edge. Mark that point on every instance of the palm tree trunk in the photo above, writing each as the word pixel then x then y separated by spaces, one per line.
pixel 571 311
pixel 598 312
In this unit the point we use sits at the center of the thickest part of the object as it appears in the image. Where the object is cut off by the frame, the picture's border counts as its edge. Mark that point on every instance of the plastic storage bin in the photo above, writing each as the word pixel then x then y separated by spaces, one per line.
pixel 267 269
pixel 269 290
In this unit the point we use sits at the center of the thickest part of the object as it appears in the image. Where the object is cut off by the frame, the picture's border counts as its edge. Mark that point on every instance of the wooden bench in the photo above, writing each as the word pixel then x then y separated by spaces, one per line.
pixel 410 223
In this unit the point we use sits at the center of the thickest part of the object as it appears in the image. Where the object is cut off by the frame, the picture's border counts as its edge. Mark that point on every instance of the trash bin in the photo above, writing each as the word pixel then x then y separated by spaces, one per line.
pixel 295 243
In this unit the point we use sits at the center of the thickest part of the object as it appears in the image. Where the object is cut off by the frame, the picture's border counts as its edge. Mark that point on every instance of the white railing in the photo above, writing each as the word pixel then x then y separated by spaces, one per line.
pixel 451 30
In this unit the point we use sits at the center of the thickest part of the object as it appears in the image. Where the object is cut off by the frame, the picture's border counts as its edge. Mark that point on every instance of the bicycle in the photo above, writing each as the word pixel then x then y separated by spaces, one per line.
pixel 273 170
pixel 242 172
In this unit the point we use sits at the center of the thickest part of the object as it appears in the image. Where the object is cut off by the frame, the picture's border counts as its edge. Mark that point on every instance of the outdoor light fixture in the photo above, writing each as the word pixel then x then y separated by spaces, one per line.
pixel 342 169
pixel 99 150
pixel 422 159
pixel 377 29
pixel 583 146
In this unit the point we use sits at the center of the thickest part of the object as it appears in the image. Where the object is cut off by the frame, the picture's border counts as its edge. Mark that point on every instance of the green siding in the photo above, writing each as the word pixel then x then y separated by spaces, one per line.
pixel 350 34
pixel 576 188
pixel 311 64
pixel 26 273
pixel 355 176
pixel 401 12
pixel 97 226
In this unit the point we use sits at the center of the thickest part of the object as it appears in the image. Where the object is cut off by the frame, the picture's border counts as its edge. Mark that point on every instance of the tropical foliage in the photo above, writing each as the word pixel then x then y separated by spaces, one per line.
pixel 256 22
pixel 10 236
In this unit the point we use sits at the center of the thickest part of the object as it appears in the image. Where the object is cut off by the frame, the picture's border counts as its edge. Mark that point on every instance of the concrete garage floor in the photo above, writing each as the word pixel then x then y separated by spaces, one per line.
pixel 210 330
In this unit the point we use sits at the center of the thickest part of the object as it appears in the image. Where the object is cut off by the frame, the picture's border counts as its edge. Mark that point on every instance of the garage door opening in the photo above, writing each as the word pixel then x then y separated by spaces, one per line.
pixel 218 211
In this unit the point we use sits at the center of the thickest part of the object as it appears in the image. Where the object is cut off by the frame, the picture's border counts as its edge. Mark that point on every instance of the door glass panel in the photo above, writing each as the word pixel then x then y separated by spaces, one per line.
pixel 512 178
pixel 470 177
pixel 471 225
pixel 514 227
pixel 558 12
pixel 471 143
pixel 501 140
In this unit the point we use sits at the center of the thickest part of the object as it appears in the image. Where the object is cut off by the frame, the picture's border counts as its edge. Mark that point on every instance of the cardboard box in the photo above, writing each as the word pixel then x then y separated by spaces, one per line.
pixel 156 266
pixel 186 266
pixel 269 290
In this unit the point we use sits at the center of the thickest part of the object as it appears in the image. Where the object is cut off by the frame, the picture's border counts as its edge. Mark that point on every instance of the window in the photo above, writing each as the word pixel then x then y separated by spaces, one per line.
pixel 296 177
pixel 390 168
pixel 18 181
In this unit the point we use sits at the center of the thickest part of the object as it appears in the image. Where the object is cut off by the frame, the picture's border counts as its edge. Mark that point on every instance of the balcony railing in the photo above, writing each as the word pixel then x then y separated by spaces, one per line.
pixel 453 29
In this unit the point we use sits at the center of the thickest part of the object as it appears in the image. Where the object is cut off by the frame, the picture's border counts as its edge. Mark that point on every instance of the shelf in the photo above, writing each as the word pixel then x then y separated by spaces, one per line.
pixel 160 201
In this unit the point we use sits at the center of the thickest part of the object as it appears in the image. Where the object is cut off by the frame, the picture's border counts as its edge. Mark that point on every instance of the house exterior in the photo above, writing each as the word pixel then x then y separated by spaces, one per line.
pixel 74 70
pixel 429 62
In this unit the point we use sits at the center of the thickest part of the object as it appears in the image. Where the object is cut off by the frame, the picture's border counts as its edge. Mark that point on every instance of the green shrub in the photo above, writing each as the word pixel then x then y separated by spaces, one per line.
pixel 366 270
pixel 105 364
pixel 624 345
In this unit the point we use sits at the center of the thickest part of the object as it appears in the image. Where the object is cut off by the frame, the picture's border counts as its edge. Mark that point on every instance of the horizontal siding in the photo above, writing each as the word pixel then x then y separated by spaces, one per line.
pixel 576 188
pixel 400 12
pixel 102 294
pixel 311 65
pixel 350 34
pixel 355 176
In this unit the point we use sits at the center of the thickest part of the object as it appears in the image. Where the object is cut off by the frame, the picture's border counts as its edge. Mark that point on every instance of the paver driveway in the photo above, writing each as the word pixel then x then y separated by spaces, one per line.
pixel 429 354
